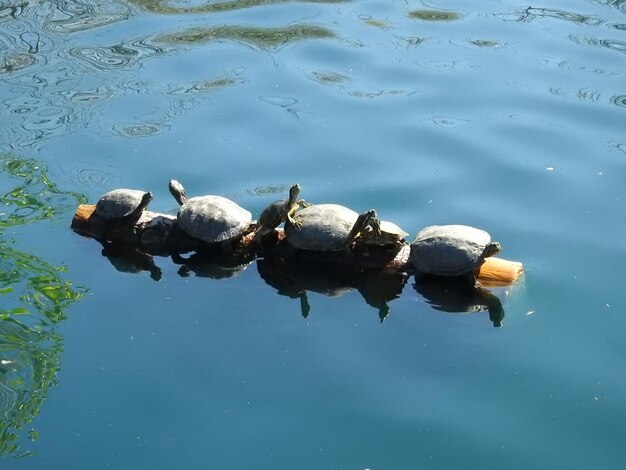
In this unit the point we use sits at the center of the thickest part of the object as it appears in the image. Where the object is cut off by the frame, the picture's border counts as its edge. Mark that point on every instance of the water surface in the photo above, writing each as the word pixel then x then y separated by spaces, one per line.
pixel 506 116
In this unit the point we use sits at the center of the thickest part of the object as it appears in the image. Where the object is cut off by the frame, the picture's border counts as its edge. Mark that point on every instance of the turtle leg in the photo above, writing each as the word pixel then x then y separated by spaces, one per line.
pixel 375 224
pixel 305 307
pixel 296 223
pixel 362 222
pixel 302 204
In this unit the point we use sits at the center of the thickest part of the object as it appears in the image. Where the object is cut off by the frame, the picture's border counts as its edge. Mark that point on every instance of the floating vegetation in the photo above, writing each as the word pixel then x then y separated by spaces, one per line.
pixel 35 197
pixel 327 77
pixel 205 86
pixel 163 6
pixel 33 299
pixel 263 38
pixel 368 20
pixel 434 15
pixel 14 62
pixel 486 43
pixel 138 129
pixel 29 362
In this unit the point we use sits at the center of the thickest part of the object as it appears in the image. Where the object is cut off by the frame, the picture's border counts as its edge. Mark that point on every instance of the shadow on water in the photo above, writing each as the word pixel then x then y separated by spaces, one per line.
pixel 34 298
pixel 294 279
pixel 457 296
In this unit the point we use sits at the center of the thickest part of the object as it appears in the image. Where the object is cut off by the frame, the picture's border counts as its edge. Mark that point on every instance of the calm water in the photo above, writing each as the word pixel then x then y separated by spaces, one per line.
pixel 498 114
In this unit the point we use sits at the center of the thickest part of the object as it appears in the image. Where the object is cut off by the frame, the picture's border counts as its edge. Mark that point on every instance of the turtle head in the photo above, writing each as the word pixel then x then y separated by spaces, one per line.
pixel 178 191
pixel 294 192
pixel 145 200
pixel 492 249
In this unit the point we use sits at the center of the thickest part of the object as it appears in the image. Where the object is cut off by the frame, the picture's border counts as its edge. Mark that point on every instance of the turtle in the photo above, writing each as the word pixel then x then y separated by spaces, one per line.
pixel 452 250
pixel 326 227
pixel 279 212
pixel 382 233
pixel 123 205
pixel 212 219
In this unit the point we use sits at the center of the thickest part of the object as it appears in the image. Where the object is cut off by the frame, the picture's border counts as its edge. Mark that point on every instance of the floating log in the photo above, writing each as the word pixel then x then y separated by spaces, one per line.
pixel 498 272
pixel 158 233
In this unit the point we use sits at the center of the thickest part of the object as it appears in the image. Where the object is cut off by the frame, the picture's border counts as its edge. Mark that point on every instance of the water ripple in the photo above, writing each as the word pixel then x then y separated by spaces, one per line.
pixel 564 64
pixel 619 146
pixel 448 121
pixel 613 45
pixel 531 13
pixel 281 101
pixel 90 177
pixel 71 16
pixel 90 96
pixel 449 65
pixel 12 11
pixel 619 100
pixel 125 56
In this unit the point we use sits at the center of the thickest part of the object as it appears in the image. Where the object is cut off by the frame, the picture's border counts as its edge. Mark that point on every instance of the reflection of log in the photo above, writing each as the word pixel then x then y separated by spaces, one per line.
pixel 158 233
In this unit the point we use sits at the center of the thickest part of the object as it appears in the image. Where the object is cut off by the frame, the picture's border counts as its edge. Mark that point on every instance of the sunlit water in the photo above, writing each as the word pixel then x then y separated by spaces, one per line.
pixel 507 116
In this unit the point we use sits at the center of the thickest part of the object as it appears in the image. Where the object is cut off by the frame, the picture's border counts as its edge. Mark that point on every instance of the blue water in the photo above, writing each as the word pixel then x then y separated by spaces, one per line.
pixel 506 116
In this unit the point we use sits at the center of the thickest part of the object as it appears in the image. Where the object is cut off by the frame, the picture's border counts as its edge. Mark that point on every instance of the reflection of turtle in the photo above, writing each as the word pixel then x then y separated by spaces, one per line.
pixel 294 279
pixel 130 260
pixel 326 227
pixel 214 266
pixel 452 250
pixel 279 212
pixel 455 296
pixel 123 205
pixel 212 219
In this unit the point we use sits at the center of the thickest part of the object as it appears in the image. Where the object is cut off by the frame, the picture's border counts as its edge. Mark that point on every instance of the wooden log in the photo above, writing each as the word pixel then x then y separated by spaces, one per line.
pixel 158 233
pixel 497 272
pixel 87 223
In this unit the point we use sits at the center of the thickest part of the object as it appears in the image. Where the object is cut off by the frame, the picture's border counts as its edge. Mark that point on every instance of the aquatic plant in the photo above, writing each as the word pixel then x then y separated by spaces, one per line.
pixel 34 298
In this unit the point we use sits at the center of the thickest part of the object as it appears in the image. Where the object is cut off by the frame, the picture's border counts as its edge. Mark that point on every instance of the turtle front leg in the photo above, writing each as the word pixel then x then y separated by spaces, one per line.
pixel 301 204
pixel 375 225
pixel 295 223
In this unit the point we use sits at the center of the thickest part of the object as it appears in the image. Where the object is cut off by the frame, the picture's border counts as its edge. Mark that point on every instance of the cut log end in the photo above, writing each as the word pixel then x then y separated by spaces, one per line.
pixel 498 272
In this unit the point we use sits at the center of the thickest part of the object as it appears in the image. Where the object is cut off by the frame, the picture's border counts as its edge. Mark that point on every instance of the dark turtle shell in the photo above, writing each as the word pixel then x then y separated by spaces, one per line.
pixel 323 227
pixel 213 218
pixel 451 250
pixel 121 203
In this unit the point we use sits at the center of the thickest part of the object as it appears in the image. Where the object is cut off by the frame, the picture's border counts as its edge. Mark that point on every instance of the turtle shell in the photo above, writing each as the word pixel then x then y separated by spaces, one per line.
pixel 449 250
pixel 119 203
pixel 391 234
pixel 324 227
pixel 213 218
